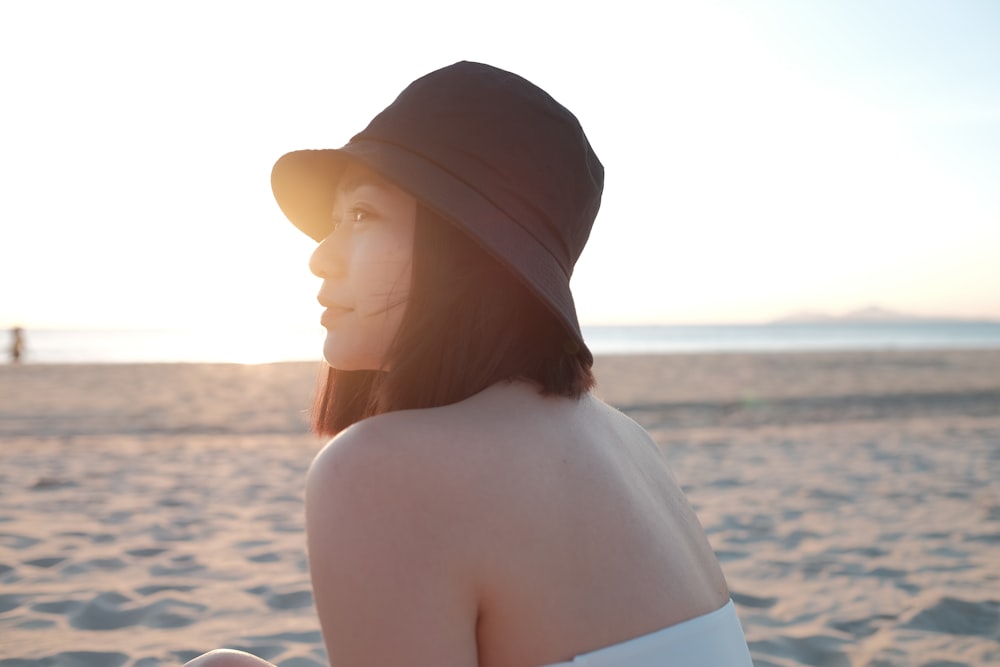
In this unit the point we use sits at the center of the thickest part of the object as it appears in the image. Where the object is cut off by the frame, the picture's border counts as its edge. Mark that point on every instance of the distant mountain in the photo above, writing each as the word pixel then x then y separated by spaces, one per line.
pixel 869 314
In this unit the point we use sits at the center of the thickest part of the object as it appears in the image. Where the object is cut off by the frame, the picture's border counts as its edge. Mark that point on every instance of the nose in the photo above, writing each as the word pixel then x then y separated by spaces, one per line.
pixel 327 259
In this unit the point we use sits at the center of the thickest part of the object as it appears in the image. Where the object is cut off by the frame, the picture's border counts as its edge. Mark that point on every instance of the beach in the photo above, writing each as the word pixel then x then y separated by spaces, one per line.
pixel 151 512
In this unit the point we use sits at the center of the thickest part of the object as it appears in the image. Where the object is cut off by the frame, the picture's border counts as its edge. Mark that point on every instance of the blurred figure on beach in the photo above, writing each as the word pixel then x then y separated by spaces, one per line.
pixel 17 345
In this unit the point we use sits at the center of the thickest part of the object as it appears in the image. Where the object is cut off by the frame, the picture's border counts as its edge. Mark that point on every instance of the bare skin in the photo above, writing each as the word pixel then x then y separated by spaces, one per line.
pixel 507 530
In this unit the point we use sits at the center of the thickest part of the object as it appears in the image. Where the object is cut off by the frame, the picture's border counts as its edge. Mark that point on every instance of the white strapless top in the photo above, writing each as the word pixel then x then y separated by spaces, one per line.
pixel 713 640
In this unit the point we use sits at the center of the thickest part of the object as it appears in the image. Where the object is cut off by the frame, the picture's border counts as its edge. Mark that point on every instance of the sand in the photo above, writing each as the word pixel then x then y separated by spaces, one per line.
pixel 151 512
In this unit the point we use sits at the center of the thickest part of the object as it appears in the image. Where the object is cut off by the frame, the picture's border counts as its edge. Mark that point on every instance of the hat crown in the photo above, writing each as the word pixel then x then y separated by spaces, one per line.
pixel 507 139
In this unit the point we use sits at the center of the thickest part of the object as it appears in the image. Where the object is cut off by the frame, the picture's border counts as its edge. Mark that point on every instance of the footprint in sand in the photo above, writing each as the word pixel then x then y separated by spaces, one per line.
pixel 112 611
pixel 59 607
pixel 44 563
pixel 295 599
pixel 145 553
pixel 266 557
pixel 95 564
pixel 752 601
pixel 809 650
pixel 71 659
pixel 954 616
pixel 310 637
pixel 299 661
pixel 19 542
pixel 863 627
pixel 49 483
pixel 8 602
pixel 146 591
pixel 180 565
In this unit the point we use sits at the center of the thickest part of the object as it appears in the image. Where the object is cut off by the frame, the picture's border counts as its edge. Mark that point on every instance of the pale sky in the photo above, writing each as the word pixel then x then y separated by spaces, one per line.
pixel 762 157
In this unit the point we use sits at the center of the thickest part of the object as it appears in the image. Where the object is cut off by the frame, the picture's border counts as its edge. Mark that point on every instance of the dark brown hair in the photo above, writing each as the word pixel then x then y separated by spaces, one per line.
pixel 469 322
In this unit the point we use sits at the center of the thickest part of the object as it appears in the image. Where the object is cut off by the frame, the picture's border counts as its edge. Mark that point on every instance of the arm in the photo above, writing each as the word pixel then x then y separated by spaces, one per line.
pixel 227 658
pixel 391 581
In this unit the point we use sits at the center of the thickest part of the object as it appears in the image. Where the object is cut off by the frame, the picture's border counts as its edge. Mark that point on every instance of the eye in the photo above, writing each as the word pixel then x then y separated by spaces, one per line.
pixel 359 216
pixel 355 216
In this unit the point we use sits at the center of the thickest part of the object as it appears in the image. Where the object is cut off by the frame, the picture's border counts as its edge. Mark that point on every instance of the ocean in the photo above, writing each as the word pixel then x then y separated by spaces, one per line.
pixel 66 346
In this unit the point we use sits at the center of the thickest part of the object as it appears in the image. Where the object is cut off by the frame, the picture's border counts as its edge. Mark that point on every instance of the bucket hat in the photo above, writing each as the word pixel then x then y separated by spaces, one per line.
pixel 488 151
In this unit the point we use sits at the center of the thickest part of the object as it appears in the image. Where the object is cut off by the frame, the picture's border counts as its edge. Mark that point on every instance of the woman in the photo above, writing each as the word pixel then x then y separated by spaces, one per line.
pixel 477 505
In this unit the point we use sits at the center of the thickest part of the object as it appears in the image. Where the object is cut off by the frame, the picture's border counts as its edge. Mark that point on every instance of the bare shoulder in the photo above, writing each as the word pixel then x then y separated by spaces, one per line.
pixel 407 448
pixel 383 526
pixel 497 456
pixel 435 437
pixel 465 456
pixel 383 471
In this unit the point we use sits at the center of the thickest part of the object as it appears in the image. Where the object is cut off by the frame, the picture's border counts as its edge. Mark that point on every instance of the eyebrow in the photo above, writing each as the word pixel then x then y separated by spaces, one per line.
pixel 355 181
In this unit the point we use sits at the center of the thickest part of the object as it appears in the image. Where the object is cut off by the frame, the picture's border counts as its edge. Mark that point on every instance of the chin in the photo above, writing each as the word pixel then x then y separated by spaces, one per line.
pixel 345 355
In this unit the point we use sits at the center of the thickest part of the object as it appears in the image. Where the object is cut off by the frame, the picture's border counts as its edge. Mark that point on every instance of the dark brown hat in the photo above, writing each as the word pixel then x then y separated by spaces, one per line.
pixel 485 149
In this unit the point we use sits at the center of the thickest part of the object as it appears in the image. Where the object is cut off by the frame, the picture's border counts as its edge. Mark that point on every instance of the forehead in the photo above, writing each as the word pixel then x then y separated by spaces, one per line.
pixel 356 176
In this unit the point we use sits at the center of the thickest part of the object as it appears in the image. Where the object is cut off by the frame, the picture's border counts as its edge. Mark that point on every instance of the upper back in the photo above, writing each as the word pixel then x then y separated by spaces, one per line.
pixel 558 517
pixel 585 536
pixel 593 541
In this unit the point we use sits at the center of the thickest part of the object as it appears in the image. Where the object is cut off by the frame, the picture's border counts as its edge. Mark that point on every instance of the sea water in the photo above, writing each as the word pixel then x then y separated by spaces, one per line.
pixel 248 346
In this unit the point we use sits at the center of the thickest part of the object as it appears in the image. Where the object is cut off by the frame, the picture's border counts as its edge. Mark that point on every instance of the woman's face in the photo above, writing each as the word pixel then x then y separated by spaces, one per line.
pixel 365 263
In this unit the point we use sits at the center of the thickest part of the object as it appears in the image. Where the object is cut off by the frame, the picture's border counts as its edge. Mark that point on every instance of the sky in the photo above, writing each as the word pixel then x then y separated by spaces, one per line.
pixel 762 157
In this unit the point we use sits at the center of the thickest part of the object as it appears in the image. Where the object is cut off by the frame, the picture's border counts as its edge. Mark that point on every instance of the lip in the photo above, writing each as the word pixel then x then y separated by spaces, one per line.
pixel 332 313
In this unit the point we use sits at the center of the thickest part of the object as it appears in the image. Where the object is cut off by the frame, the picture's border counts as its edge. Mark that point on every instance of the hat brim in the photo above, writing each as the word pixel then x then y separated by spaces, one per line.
pixel 304 183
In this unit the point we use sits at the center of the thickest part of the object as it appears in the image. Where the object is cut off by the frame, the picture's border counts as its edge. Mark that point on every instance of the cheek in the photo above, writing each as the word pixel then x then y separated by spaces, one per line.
pixel 380 283
pixel 383 283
